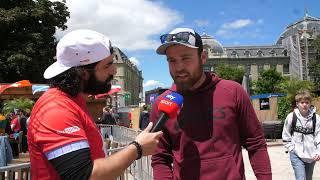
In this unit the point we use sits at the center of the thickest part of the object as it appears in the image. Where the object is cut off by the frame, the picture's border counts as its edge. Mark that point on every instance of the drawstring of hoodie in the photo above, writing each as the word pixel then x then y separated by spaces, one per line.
pixel 302 140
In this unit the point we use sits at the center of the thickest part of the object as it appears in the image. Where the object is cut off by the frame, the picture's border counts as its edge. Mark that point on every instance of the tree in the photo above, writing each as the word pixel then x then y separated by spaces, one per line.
pixel 268 82
pixel 27 43
pixel 284 108
pixel 226 71
pixel 21 103
pixel 314 64
pixel 291 86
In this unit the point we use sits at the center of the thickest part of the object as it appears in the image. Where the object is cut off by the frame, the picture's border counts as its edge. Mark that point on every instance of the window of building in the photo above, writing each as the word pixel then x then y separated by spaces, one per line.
pixel 247 53
pixel 234 54
pixel 285 52
pixel 260 68
pixel 272 52
pixel 286 69
pixel 259 53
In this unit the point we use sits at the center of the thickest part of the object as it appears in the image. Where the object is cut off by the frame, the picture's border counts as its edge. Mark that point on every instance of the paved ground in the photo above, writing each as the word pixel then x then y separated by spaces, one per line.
pixel 280 164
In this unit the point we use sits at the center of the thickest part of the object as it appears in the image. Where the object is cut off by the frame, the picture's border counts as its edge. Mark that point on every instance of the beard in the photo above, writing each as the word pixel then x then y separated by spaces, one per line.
pixel 93 86
pixel 184 86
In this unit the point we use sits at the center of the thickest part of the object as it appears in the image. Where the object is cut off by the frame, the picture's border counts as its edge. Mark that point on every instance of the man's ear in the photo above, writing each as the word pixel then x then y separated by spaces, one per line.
pixel 204 56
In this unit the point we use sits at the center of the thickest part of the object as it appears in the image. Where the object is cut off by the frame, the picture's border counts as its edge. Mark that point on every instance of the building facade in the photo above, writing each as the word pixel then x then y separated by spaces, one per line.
pixel 129 77
pixel 253 59
pixel 290 55
pixel 297 39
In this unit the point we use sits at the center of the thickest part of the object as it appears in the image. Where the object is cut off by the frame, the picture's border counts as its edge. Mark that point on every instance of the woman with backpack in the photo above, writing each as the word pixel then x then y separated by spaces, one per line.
pixel 301 136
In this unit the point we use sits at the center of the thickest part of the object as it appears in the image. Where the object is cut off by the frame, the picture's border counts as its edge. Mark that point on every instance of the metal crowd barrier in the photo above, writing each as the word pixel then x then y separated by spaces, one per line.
pixel 17 171
pixel 117 137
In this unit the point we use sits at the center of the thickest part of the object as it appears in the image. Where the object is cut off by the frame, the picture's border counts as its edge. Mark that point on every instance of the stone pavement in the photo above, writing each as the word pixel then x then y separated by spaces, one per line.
pixel 280 164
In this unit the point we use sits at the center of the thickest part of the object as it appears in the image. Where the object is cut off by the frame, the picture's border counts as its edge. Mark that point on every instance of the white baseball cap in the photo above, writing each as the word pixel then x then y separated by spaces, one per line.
pixel 183 36
pixel 78 48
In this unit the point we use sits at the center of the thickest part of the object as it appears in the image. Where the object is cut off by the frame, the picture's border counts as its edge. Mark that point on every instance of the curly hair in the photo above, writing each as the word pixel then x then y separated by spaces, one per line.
pixel 70 81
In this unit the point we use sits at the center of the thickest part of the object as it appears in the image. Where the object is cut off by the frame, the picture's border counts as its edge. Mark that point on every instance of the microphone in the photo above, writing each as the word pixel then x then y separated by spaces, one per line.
pixel 168 107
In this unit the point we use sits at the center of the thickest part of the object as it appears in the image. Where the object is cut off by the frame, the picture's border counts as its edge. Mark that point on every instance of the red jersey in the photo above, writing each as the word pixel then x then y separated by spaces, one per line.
pixel 16 124
pixel 58 119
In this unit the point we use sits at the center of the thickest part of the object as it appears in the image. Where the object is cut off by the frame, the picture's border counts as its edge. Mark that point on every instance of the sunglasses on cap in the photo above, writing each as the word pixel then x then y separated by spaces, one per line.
pixel 183 37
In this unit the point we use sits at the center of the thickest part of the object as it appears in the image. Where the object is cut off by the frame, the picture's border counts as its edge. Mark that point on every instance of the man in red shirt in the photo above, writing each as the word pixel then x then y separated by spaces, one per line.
pixel 64 142
pixel 15 125
pixel 216 120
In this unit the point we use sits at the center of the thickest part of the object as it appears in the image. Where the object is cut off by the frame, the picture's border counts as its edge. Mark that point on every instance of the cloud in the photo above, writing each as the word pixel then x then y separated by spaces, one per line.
pixel 131 25
pixel 237 24
pixel 152 83
pixel 202 22
pixel 135 61
pixel 239 28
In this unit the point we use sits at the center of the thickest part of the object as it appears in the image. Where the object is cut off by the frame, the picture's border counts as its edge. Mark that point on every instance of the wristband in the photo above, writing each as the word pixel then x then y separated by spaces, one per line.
pixel 139 148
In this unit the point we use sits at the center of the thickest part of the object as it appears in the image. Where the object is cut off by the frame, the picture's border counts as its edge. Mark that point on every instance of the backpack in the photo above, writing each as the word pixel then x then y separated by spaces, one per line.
pixel 302 130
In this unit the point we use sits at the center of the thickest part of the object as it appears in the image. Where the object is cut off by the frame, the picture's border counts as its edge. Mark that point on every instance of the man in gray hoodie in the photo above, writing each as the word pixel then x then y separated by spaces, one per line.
pixel 301 136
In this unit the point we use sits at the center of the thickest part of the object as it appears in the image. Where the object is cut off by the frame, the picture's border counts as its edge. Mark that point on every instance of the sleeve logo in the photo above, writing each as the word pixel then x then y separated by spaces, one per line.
pixel 70 130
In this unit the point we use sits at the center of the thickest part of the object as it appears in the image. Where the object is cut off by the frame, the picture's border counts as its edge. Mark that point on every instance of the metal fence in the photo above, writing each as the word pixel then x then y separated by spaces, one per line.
pixel 119 137
pixel 116 138
pixel 17 171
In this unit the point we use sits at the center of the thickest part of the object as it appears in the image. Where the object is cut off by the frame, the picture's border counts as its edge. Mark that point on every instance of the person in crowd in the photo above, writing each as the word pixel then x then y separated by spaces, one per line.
pixel 301 136
pixel 107 117
pixel 15 123
pixel 217 120
pixel 64 141
pixel 144 118
pixel 23 124
pixel 115 115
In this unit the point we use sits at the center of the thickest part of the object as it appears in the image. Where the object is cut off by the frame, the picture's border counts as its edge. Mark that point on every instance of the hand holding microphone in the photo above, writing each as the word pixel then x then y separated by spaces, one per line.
pixel 146 142
pixel 168 108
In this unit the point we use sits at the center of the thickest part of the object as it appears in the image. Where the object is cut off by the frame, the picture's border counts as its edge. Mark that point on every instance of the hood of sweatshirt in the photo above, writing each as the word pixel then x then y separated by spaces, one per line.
pixel 312 110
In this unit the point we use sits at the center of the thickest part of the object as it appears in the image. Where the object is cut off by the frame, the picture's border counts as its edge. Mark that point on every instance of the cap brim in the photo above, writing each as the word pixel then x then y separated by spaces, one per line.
pixel 54 70
pixel 163 47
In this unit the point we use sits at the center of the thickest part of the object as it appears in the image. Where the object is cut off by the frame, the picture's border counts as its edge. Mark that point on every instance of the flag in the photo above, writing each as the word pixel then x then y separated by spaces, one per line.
pixel 39 88
pixel 23 83
pixel 114 89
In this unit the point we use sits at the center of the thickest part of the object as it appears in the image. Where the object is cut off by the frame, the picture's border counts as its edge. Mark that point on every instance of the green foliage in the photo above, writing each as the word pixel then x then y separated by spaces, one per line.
pixel 291 87
pixel 268 82
pixel 226 71
pixel 27 37
pixel 284 108
pixel 20 103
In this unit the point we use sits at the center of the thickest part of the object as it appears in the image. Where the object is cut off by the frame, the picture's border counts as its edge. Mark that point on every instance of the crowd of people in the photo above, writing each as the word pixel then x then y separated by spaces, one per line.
pixel 16 129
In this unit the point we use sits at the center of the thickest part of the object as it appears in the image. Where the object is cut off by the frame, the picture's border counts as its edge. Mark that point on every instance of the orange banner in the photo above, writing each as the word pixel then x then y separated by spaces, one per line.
pixel 22 83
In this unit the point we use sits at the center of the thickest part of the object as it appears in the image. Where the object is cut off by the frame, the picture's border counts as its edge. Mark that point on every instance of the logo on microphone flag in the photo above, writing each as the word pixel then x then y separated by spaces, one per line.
pixel 171 104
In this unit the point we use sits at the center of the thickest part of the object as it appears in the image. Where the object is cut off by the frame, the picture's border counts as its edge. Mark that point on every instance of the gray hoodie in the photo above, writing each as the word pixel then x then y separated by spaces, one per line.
pixel 305 146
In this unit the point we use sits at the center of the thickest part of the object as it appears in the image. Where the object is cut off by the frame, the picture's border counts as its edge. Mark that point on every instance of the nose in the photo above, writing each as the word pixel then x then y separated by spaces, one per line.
pixel 179 66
